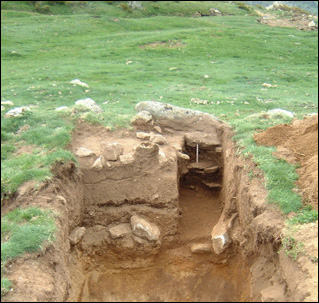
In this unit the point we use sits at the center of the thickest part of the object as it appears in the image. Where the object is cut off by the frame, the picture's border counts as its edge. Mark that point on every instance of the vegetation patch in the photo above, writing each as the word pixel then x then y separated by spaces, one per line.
pixel 24 230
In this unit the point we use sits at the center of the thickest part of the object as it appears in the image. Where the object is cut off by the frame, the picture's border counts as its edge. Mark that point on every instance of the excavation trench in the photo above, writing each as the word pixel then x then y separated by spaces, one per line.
pixel 162 213
pixel 177 192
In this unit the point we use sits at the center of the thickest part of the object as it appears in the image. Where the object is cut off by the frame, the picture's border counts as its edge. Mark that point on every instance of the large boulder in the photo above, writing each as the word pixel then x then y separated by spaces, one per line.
pixel 178 118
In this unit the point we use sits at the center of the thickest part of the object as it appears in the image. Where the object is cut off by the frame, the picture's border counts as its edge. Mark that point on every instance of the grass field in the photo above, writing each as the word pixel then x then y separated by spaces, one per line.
pixel 213 64
pixel 160 52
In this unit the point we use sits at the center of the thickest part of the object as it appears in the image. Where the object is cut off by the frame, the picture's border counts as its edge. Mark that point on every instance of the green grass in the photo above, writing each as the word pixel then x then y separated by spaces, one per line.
pixel 305 215
pixel 5 286
pixel 41 54
pixel 24 230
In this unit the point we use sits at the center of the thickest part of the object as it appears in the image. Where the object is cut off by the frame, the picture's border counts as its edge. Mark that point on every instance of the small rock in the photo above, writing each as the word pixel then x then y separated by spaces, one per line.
pixel 183 156
pixel 89 104
pixel 144 229
pixel 143 135
pixel 78 82
pixel 119 231
pixel 220 237
pixel 111 151
pixel 162 157
pixel 220 242
pixel 142 118
pixel 84 152
pixel 61 108
pixel 17 112
pixel 201 248
pixel 99 163
pixel 10 103
pixel 268 85
pixel 77 235
pixel 215 12
pixel 312 24
pixel 158 139
pixel 127 159
pixel 158 129
pixel 218 149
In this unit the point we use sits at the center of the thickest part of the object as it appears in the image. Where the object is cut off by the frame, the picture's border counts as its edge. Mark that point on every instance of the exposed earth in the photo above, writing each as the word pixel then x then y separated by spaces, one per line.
pixel 167 212
pixel 300 21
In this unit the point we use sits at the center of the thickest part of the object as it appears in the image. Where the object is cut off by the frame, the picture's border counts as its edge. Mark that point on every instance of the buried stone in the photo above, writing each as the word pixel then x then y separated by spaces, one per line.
pixel 144 229
pixel 111 151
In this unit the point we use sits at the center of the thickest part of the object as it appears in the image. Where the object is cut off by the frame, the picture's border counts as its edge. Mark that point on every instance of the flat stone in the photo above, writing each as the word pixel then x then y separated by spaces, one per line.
pixel 158 139
pixel 203 140
pixel 119 231
pixel 111 151
pixel 212 185
pixel 143 135
pixel 78 82
pixel 201 248
pixel 127 159
pixel 178 118
pixel 84 152
pixel 211 170
pixel 144 229
pixel 76 235
pixel 199 165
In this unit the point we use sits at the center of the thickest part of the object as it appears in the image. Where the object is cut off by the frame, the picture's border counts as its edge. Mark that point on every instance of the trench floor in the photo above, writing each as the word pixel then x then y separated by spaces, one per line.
pixel 175 274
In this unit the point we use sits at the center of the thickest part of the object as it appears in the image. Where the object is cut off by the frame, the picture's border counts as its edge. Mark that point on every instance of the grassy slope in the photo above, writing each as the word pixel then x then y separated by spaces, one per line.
pixel 224 60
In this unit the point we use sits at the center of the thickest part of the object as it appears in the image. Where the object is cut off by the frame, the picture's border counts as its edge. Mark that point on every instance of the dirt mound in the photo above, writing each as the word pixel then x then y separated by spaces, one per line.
pixel 297 143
